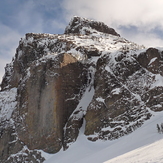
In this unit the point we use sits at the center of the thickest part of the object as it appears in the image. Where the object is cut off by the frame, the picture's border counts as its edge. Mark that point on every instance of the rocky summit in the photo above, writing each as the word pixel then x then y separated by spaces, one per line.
pixel 89 76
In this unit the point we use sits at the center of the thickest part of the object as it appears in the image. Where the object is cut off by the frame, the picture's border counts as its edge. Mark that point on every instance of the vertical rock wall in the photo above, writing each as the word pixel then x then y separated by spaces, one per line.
pixel 46 99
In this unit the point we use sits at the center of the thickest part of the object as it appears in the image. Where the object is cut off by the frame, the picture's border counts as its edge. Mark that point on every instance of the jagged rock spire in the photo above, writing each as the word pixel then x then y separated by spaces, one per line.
pixel 77 24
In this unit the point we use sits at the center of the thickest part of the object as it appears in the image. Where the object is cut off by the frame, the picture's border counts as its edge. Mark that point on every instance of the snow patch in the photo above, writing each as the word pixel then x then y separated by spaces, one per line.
pixel 152 60
pixel 158 81
pixel 116 91
pixel 100 99
pixel 7 103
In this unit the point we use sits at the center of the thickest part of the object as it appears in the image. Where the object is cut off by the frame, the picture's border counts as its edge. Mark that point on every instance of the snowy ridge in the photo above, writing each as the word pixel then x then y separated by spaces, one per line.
pixel 85 26
pixel 77 44
pixel 80 46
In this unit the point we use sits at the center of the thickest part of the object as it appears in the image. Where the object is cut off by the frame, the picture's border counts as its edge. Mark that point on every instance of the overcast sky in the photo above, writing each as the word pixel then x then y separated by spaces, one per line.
pixel 140 21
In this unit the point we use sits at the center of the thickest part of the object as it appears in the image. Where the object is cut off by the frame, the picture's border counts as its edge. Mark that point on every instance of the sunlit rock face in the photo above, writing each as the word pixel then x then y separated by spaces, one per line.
pixel 88 77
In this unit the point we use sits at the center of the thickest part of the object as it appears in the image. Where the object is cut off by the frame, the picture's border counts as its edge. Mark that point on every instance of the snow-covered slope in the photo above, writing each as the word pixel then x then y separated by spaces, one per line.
pixel 144 145
pixel 148 154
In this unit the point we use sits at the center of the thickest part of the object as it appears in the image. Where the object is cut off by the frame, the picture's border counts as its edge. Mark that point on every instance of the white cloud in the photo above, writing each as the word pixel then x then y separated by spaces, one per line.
pixel 9 40
pixel 149 39
pixel 118 12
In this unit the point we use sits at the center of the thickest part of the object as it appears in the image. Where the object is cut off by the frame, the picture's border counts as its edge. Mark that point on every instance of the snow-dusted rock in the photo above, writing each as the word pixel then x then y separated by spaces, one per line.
pixel 88 75
pixel 85 26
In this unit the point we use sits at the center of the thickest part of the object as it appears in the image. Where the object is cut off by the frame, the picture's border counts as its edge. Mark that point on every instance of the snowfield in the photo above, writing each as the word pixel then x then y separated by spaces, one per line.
pixel 149 154
pixel 144 145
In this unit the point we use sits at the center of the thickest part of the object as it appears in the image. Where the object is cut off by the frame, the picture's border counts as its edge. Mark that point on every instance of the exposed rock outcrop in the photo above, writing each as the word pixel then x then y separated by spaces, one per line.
pixel 46 99
pixel 89 74
pixel 80 25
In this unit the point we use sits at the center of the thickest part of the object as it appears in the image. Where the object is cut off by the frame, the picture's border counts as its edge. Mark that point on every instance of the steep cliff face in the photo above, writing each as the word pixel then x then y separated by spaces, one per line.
pixel 45 101
pixel 91 74
pixel 127 86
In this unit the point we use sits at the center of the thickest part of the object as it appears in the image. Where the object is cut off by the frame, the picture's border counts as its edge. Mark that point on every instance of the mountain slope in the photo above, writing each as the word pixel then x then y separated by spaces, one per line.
pixel 86 83
pixel 150 153
pixel 141 143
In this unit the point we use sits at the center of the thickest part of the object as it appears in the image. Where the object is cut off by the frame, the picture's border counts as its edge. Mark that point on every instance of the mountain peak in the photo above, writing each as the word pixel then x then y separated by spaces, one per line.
pixel 85 26
pixel 88 83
